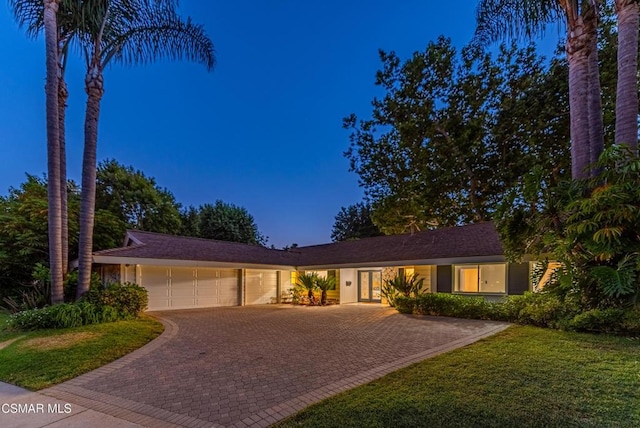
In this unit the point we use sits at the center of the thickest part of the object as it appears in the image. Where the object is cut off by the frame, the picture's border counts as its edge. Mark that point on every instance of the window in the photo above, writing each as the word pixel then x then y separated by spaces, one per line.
pixel 486 278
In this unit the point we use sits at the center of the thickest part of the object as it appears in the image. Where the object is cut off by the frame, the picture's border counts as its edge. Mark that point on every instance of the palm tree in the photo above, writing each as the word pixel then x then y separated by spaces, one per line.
pixel 627 90
pixel 129 32
pixel 513 18
pixel 308 281
pixel 53 149
pixel 325 283
pixel 30 14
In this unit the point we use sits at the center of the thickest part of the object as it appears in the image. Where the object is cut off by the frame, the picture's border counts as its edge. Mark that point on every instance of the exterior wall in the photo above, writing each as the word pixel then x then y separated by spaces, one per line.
pixel 444 281
pixel 518 278
pixel 348 293
pixel 424 272
pixel 110 274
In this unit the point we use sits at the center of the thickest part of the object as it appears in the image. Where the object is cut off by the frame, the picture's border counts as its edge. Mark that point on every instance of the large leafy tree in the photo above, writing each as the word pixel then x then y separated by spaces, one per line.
pixel 129 32
pixel 354 222
pixel 454 131
pixel 507 18
pixel 135 199
pixel 23 230
pixel 228 222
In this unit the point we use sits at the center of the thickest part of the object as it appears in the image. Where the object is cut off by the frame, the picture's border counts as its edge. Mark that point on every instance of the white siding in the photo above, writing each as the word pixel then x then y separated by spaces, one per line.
pixel 261 286
pixel 348 293
pixel 424 272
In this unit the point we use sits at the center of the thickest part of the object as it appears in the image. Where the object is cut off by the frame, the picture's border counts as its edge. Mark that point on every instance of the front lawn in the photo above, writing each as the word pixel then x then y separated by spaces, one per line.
pixel 524 377
pixel 43 358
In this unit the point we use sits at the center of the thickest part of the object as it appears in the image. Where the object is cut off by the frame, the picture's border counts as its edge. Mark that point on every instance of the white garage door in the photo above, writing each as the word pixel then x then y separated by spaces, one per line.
pixel 261 286
pixel 182 288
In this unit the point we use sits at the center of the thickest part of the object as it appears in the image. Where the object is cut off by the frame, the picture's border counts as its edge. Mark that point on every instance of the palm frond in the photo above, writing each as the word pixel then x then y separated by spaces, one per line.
pixel 514 19
pixel 142 31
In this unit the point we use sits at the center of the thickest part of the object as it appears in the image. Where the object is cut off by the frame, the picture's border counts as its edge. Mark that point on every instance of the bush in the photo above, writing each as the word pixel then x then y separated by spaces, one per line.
pixel 128 299
pixel 613 320
pixel 71 284
pixel 404 304
pixel 63 316
pixel 402 285
pixel 452 305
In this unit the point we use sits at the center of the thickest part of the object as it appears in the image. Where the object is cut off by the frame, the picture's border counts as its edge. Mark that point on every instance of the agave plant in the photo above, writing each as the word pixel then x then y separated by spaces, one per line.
pixel 325 284
pixel 308 281
pixel 402 285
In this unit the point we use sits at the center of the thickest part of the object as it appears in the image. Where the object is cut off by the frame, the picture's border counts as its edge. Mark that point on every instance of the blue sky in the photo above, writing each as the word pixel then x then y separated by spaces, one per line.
pixel 262 131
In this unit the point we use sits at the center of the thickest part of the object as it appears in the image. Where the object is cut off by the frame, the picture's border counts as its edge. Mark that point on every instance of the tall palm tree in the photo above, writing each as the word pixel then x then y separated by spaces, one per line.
pixel 627 90
pixel 515 18
pixel 53 149
pixel 30 14
pixel 129 32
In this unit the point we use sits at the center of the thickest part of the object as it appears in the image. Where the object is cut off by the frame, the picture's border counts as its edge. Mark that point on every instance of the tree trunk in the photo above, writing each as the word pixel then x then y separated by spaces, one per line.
pixel 95 89
pixel 594 99
pixel 627 91
pixel 323 298
pixel 53 151
pixel 577 50
pixel 63 95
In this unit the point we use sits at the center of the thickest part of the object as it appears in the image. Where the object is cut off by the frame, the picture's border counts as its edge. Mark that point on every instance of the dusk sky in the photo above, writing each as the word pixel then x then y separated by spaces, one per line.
pixel 263 130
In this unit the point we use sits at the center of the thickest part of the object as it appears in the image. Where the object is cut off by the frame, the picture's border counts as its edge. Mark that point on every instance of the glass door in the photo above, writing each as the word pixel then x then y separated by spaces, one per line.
pixel 370 286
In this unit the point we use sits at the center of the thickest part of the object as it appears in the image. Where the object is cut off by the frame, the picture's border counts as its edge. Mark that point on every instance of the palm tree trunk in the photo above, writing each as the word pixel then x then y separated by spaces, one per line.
pixel 594 99
pixel 627 91
pixel 577 44
pixel 63 95
pixel 53 151
pixel 95 89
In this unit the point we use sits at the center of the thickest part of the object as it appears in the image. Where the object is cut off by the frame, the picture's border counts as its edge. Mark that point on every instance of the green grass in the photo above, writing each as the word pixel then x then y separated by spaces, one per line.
pixel 524 377
pixel 43 358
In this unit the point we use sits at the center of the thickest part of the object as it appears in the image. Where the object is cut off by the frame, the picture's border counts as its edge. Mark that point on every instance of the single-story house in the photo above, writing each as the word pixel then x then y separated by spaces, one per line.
pixel 181 272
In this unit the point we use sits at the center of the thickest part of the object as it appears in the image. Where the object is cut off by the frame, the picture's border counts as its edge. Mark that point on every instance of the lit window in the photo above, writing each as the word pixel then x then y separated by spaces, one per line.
pixel 486 278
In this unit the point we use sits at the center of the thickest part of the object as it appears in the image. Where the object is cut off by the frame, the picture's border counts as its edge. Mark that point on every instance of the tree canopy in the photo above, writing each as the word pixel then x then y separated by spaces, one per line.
pixel 228 222
pixel 354 222
pixel 136 199
pixel 455 130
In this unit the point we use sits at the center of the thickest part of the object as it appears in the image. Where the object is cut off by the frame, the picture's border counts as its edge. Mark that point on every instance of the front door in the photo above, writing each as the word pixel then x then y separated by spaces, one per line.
pixel 370 286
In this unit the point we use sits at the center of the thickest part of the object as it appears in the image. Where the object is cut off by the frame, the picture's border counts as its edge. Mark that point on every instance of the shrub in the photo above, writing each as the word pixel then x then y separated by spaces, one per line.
pixel 612 320
pixel 63 316
pixel 402 285
pixel 71 284
pixel 404 304
pixel 453 305
pixel 128 299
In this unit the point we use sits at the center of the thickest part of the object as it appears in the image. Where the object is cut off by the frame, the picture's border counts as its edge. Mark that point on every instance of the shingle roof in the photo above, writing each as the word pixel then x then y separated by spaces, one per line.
pixel 477 240
pixel 170 247
pixel 474 240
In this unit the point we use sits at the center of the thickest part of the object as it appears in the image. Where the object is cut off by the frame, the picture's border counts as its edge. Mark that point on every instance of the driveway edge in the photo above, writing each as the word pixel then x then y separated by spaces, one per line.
pixel 293 406
pixel 73 391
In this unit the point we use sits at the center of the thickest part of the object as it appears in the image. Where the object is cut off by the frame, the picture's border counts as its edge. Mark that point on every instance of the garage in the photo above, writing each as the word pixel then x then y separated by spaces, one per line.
pixel 261 286
pixel 182 287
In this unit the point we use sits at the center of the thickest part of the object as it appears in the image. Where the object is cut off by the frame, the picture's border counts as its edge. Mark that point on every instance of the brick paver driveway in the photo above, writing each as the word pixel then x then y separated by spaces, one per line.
pixel 254 365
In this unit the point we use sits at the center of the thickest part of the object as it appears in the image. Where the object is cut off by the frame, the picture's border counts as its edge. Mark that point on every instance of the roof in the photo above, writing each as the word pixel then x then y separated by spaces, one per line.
pixel 476 240
pixel 150 245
